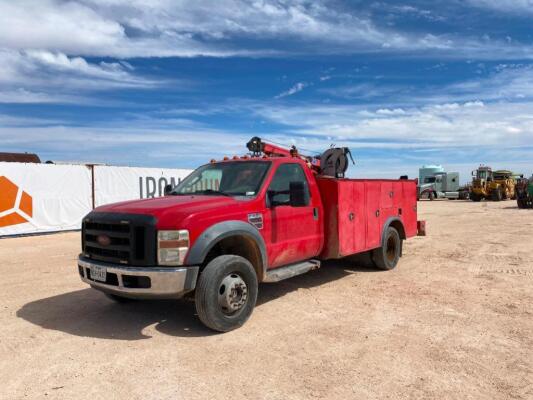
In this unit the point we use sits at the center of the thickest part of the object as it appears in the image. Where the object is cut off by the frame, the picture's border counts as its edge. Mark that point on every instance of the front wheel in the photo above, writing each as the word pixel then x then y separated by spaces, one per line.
pixel 226 293
pixel 497 195
pixel 387 256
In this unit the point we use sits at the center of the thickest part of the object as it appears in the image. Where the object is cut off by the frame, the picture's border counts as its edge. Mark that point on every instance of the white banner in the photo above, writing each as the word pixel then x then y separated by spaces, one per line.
pixel 50 197
pixel 113 184
pixel 43 197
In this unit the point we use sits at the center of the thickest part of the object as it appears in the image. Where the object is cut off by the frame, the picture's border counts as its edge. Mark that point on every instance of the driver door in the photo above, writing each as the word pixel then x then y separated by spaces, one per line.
pixel 295 233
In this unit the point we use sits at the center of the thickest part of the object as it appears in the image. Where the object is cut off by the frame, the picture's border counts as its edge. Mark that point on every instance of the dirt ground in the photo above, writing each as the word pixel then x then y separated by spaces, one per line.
pixel 453 321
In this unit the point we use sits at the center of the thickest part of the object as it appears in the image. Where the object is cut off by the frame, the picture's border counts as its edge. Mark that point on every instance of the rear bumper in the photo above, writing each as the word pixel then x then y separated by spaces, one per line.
pixel 141 282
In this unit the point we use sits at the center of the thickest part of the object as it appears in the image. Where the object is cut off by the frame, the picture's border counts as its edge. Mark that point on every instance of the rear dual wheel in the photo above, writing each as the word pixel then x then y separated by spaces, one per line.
pixel 387 256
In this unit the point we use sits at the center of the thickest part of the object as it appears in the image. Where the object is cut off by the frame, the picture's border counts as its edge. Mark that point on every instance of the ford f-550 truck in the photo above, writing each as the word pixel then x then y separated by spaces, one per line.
pixel 233 224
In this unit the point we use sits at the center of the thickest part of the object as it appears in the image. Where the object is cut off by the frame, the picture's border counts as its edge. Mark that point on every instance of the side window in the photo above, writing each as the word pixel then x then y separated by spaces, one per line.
pixel 285 174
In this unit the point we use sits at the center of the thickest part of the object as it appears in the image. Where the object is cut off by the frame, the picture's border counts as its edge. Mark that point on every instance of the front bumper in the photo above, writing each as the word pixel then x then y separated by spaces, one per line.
pixel 141 282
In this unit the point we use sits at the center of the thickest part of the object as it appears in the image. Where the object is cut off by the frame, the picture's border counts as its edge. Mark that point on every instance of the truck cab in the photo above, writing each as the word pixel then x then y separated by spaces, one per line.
pixel 237 222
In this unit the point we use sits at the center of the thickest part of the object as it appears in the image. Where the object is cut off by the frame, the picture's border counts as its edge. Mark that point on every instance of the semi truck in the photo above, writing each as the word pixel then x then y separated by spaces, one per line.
pixel 231 224
pixel 435 182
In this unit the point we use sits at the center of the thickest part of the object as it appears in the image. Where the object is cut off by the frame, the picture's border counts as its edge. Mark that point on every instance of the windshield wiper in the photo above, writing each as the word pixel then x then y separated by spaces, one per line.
pixel 211 191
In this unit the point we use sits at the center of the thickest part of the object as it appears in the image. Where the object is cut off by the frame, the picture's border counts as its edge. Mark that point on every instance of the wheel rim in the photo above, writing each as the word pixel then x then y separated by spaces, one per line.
pixel 391 249
pixel 232 294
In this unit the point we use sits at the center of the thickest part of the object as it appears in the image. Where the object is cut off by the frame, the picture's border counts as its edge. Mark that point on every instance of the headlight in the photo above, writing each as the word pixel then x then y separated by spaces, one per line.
pixel 172 247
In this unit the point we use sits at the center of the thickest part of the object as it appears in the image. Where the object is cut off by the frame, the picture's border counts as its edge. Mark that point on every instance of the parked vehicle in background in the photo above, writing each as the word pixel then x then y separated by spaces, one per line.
pixel 232 224
pixel 524 192
pixel 502 185
pixel 480 183
pixel 434 182
pixel 492 185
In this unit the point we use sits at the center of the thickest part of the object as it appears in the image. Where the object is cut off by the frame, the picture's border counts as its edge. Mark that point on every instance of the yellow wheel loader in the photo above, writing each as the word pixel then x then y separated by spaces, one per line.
pixel 480 183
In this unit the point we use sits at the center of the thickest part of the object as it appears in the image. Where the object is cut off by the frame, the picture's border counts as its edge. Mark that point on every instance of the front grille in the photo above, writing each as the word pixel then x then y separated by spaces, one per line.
pixel 124 238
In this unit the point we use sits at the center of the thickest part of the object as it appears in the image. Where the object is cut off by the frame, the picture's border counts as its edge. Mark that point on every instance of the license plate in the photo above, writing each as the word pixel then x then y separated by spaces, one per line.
pixel 98 273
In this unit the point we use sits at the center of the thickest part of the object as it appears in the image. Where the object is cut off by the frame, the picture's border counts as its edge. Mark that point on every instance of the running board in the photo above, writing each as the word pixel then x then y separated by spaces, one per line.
pixel 279 274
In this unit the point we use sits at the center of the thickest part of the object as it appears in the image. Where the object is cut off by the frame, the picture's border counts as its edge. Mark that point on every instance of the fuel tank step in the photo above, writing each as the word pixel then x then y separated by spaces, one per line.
pixel 281 273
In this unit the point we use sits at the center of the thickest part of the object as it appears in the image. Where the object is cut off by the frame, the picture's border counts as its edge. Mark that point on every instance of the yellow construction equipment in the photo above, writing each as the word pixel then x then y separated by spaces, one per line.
pixel 482 177
pixel 502 185
pixel 492 185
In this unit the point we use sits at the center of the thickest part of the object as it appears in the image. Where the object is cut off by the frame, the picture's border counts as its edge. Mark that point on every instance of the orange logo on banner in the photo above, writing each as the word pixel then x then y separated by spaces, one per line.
pixel 15 208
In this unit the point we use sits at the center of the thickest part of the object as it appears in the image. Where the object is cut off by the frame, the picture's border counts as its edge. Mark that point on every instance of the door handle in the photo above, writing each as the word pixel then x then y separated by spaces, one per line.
pixel 351 216
pixel 315 213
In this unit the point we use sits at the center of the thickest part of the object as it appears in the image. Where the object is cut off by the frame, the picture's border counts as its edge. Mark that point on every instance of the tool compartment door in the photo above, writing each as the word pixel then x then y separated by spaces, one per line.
pixel 409 208
pixel 373 213
pixel 360 216
pixel 346 217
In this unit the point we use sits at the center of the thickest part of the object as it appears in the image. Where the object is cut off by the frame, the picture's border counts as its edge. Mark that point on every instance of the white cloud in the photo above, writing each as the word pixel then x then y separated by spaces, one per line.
pixel 40 76
pixel 509 82
pixel 298 87
pixel 511 6
pixel 506 82
pixel 23 96
pixel 405 139
pixel 135 28
pixel 433 126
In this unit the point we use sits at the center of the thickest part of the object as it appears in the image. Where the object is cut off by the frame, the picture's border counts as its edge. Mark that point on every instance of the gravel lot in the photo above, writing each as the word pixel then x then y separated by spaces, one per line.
pixel 453 321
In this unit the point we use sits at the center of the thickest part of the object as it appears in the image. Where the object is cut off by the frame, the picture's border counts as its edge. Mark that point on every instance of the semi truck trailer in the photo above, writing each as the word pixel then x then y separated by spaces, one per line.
pixel 231 224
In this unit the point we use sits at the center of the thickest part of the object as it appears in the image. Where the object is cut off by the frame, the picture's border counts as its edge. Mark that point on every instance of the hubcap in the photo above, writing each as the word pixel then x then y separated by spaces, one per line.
pixel 232 294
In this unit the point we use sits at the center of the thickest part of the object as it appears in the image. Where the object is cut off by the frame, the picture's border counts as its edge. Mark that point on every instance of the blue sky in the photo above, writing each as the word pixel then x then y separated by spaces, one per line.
pixel 175 83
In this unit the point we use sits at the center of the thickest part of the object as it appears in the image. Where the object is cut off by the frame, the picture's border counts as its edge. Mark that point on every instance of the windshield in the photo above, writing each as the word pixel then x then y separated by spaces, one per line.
pixel 227 178
pixel 482 174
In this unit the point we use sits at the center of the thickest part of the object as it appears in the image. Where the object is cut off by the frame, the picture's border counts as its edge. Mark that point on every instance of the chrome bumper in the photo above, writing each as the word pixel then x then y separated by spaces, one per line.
pixel 141 282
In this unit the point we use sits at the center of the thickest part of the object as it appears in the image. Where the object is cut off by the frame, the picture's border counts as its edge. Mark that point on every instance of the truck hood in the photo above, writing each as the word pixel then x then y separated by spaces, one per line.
pixel 425 186
pixel 178 207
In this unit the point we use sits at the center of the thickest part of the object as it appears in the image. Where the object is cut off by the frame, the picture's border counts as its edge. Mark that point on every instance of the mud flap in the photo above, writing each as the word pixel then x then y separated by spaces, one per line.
pixel 420 228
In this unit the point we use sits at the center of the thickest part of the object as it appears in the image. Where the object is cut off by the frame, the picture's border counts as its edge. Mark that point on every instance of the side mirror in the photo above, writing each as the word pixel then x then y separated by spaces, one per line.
pixel 168 189
pixel 297 194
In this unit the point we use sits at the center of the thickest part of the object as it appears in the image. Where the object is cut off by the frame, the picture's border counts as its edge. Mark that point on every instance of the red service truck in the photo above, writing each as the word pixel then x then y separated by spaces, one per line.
pixel 232 224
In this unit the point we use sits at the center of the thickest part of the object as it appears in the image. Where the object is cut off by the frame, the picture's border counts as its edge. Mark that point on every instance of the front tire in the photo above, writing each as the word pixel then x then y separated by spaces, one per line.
pixel 226 293
pixel 387 256
pixel 475 197
pixel 497 195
